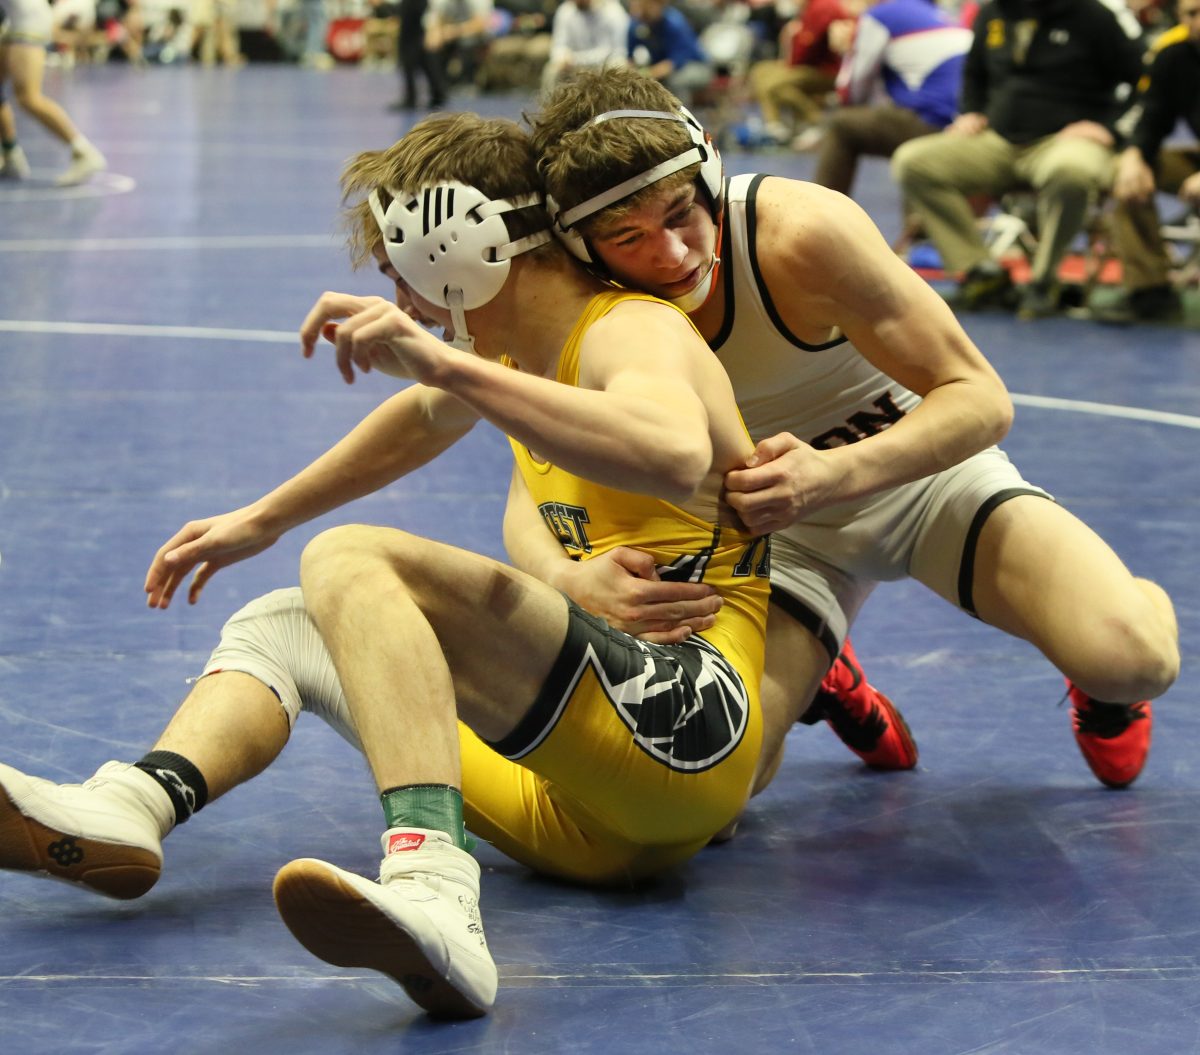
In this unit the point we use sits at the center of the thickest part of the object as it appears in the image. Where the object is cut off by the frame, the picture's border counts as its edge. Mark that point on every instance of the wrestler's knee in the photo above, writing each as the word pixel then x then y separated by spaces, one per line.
pixel 1126 660
pixel 341 561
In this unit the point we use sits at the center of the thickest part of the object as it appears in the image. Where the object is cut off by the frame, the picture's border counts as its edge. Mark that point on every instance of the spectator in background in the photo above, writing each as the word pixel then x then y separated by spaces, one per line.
pixel 1170 95
pixel 74 30
pixel 1040 98
pixel 797 83
pixel 214 33
pixel 168 38
pixel 316 24
pixel 585 34
pixel 124 25
pixel 417 54
pixel 25 31
pixel 520 46
pixel 663 44
pixel 458 32
pixel 916 53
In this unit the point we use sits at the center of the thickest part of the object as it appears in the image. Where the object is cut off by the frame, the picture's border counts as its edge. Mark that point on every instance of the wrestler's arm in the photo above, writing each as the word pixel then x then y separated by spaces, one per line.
pixel 826 265
pixel 401 435
pixel 636 421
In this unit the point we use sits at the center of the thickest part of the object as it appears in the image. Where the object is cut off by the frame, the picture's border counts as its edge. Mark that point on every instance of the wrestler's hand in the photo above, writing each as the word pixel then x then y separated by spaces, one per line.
pixel 783 479
pixel 208 546
pixel 372 333
pixel 323 318
pixel 623 587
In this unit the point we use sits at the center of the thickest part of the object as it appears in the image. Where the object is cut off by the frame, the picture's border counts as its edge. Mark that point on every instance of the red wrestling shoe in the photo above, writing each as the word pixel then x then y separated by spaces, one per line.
pixel 865 720
pixel 1114 737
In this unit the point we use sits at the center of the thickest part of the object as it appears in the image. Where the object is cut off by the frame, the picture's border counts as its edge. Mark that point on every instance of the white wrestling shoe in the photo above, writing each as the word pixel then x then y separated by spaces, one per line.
pixel 104 834
pixel 83 166
pixel 15 165
pixel 419 924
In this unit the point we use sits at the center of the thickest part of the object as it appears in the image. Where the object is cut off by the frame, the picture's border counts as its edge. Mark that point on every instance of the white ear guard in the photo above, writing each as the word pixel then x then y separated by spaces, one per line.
pixel 451 238
pixel 702 150
pixel 450 245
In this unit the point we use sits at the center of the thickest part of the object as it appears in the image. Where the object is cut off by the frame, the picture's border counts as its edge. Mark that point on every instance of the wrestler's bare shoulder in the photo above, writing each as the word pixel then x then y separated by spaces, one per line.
pixel 806 222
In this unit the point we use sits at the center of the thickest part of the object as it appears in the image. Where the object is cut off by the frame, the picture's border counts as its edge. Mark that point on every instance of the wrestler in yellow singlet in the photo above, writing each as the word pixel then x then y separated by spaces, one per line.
pixel 670 733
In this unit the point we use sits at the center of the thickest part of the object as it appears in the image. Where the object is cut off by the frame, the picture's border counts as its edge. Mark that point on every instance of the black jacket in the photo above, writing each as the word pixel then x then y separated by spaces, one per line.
pixel 1172 94
pixel 1036 66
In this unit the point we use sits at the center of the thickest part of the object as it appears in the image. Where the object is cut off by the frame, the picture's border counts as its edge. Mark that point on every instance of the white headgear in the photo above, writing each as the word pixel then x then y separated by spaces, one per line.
pixel 702 150
pixel 450 244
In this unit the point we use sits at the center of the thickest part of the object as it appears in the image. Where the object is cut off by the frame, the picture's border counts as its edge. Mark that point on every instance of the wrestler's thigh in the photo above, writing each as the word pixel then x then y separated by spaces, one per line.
pixel 1042 574
pixel 500 629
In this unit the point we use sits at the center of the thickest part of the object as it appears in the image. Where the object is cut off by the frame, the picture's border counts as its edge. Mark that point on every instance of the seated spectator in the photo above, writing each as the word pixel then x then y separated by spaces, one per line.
pixel 381 35
pixel 168 38
pixel 915 52
pixel 1040 97
pixel 586 34
pixel 74 30
pixel 124 28
pixel 791 90
pixel 1171 94
pixel 663 44
pixel 520 47
pixel 459 31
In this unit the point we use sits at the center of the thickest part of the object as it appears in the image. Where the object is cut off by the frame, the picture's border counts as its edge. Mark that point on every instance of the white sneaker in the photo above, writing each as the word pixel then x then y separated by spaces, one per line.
pixel 419 924
pixel 83 166
pixel 105 834
pixel 15 165
pixel 809 139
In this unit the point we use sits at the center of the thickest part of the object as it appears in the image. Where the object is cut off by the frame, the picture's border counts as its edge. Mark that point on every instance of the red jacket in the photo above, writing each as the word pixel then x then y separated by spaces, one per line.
pixel 810 45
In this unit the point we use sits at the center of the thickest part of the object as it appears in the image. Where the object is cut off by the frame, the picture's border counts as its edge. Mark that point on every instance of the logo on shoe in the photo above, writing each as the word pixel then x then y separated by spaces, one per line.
pixel 66 852
pixel 402 841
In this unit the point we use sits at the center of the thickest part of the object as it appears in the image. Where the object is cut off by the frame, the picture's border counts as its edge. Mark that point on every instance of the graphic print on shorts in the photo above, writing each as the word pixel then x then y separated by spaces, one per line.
pixel 685 705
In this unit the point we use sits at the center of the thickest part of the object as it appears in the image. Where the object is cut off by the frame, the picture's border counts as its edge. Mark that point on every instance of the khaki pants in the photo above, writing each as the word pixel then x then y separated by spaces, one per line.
pixel 854 131
pixel 799 90
pixel 937 174
pixel 1135 225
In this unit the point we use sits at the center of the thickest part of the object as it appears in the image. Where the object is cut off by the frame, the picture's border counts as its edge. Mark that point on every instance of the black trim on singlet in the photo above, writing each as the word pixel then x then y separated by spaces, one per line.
pixel 726 278
pixel 966 570
pixel 543 715
pixel 807 618
pixel 763 295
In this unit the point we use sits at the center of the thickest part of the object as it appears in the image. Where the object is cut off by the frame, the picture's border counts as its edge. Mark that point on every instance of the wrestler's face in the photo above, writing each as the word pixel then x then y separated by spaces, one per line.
pixel 664 247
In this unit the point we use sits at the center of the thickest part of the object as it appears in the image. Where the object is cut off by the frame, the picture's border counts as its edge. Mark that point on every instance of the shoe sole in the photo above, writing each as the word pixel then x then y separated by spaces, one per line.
pixel 337 924
pixel 116 871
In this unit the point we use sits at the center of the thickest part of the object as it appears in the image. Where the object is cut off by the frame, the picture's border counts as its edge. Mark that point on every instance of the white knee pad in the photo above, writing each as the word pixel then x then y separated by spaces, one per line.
pixel 274 640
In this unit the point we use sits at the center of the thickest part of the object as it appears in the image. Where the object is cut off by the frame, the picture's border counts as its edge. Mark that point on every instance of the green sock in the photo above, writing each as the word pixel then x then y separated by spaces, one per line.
pixel 435 806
